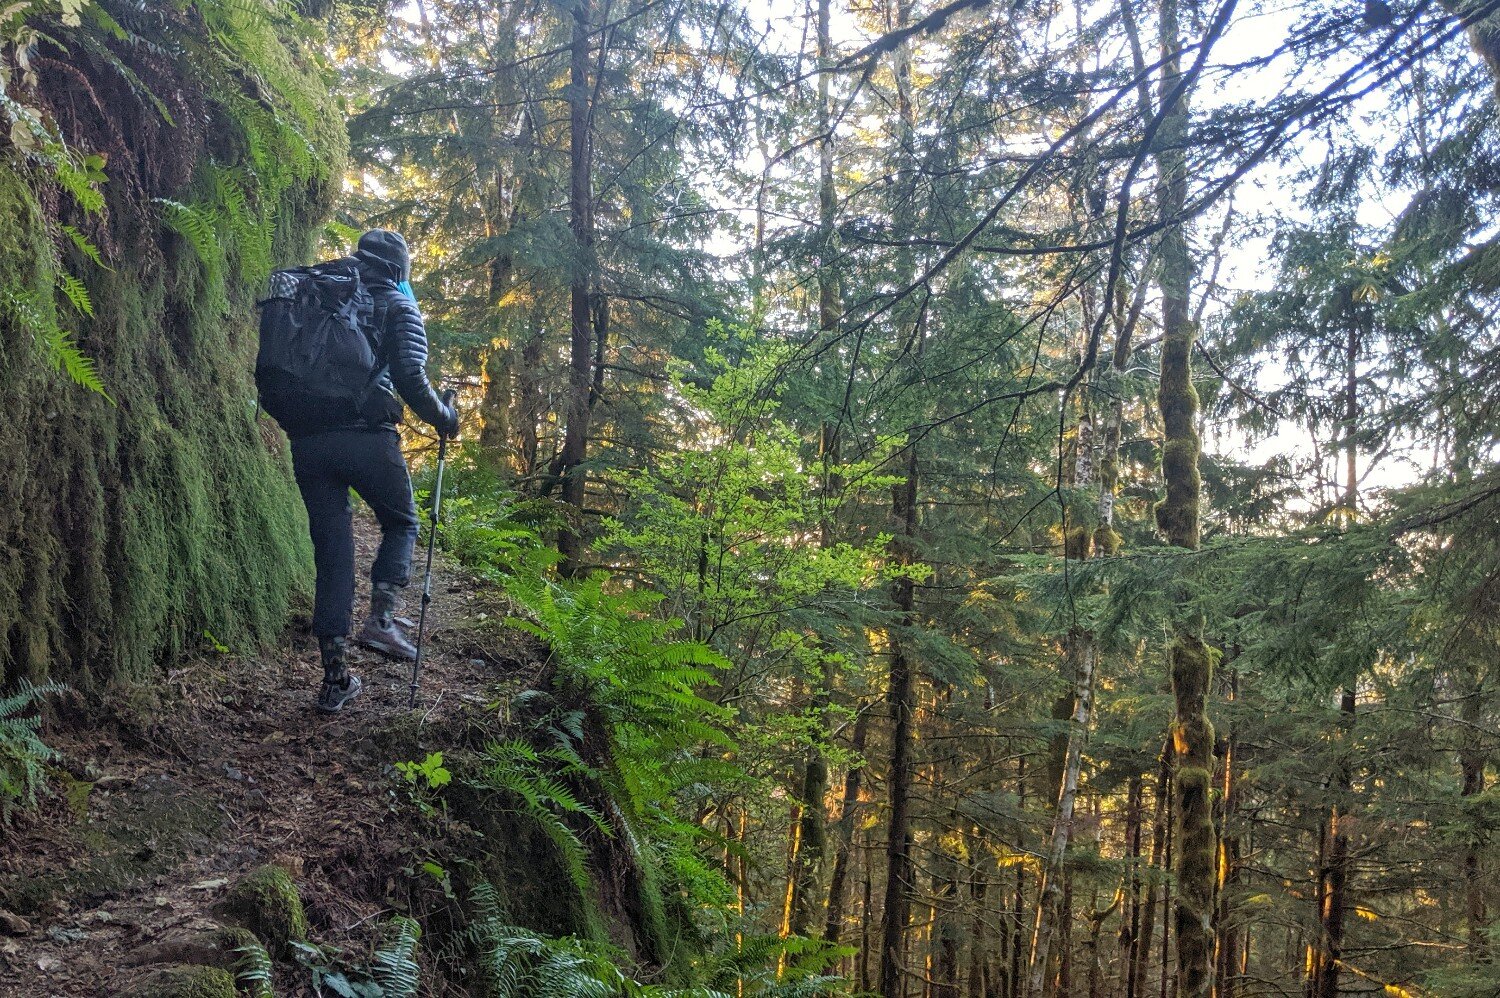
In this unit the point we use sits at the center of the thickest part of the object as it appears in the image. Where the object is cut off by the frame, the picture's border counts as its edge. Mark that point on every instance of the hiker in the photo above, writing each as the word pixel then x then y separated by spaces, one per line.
pixel 340 411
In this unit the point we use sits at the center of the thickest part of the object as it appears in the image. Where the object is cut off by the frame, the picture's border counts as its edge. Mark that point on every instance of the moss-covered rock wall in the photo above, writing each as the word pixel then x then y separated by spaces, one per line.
pixel 161 158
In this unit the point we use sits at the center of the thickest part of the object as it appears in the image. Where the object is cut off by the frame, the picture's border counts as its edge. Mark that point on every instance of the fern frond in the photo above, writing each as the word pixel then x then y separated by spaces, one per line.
pixel 394 965
pixel 253 970
pixel 78 181
pixel 518 770
pixel 22 751
pixel 76 292
pixel 519 963
pixel 250 233
pixel 27 695
pixel 84 244
pixel 58 345
pixel 197 227
pixel 64 354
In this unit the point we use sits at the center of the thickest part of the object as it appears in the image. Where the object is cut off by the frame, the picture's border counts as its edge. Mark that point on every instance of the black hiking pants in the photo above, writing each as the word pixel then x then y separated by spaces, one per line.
pixel 327 466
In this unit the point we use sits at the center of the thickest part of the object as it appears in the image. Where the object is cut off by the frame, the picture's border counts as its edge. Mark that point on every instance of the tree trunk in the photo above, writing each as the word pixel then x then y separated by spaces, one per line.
pixel 1052 913
pixel 1130 920
pixel 569 464
pixel 1161 823
pixel 834 923
pixel 902 681
pixel 495 404
pixel 815 785
pixel 1226 920
pixel 531 401
pixel 1190 664
pixel 1471 761
pixel 945 923
pixel 979 887
pixel 867 918
pixel 497 400
pixel 1064 987
pixel 1015 984
pixel 1014 987
pixel 902 699
pixel 1334 876
pixel 812 835
pixel 1335 900
pixel 1080 653
pixel 1097 918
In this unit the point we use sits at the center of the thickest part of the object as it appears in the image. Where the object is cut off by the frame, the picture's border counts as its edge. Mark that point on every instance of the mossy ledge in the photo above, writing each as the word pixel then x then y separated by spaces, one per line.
pixel 185 982
pixel 133 525
pixel 266 902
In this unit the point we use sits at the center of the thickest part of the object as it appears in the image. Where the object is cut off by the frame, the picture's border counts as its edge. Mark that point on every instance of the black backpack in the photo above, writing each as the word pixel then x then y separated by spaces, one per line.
pixel 318 366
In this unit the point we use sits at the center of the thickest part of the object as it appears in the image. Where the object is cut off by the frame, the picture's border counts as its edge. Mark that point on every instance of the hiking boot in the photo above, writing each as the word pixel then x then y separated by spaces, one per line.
pixel 339 684
pixel 333 696
pixel 381 632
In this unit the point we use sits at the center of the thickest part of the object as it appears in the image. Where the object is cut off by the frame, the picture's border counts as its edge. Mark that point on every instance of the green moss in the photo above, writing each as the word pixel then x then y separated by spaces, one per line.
pixel 185 982
pixel 128 839
pixel 130 529
pixel 1191 663
pixel 1177 514
pixel 266 902
pixel 75 791
pixel 232 938
pixel 1078 543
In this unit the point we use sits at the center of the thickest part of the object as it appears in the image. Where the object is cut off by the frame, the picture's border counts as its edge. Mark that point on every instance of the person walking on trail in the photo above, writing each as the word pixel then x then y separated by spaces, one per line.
pixel 340 341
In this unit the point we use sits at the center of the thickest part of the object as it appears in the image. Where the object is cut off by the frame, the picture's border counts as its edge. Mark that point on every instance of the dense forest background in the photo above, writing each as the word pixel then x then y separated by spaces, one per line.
pixel 1013 485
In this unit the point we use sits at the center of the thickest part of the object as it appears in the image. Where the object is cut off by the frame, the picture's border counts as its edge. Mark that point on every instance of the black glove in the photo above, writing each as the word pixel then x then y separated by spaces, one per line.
pixel 449 426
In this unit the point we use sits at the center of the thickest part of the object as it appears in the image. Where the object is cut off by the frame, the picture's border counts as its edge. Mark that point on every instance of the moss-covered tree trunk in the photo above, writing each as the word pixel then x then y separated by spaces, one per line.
pixel 1484 33
pixel 1189 661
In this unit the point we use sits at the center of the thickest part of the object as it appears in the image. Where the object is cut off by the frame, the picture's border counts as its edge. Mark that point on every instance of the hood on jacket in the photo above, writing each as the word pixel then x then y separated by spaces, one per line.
pixel 384 252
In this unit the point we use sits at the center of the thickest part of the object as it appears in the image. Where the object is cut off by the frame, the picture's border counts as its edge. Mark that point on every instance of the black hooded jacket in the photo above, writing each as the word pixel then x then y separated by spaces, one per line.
pixel 384 262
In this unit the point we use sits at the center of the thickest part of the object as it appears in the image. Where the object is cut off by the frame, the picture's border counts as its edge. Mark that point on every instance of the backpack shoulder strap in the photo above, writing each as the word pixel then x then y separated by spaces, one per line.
pixel 376 334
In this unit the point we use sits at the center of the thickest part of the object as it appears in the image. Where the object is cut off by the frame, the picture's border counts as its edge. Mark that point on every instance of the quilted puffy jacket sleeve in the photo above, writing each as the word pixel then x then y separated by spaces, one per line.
pixel 405 349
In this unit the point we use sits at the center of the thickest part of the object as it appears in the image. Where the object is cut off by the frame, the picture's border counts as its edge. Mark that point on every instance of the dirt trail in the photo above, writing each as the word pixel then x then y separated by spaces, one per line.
pixel 235 770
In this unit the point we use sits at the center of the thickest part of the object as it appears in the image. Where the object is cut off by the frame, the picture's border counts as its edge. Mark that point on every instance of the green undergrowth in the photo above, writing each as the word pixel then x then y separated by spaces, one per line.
pixel 23 754
pixel 183 148
pixel 565 832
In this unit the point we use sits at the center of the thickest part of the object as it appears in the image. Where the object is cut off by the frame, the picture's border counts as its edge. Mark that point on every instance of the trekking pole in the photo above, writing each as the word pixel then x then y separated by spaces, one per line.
pixel 432 529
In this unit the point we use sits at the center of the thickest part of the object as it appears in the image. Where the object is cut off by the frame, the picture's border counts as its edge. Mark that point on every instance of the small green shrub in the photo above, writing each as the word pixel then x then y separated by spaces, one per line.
pixel 23 754
pixel 392 972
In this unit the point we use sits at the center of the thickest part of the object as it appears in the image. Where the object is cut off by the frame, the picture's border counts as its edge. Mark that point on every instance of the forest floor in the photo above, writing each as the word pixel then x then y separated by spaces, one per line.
pixel 152 818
